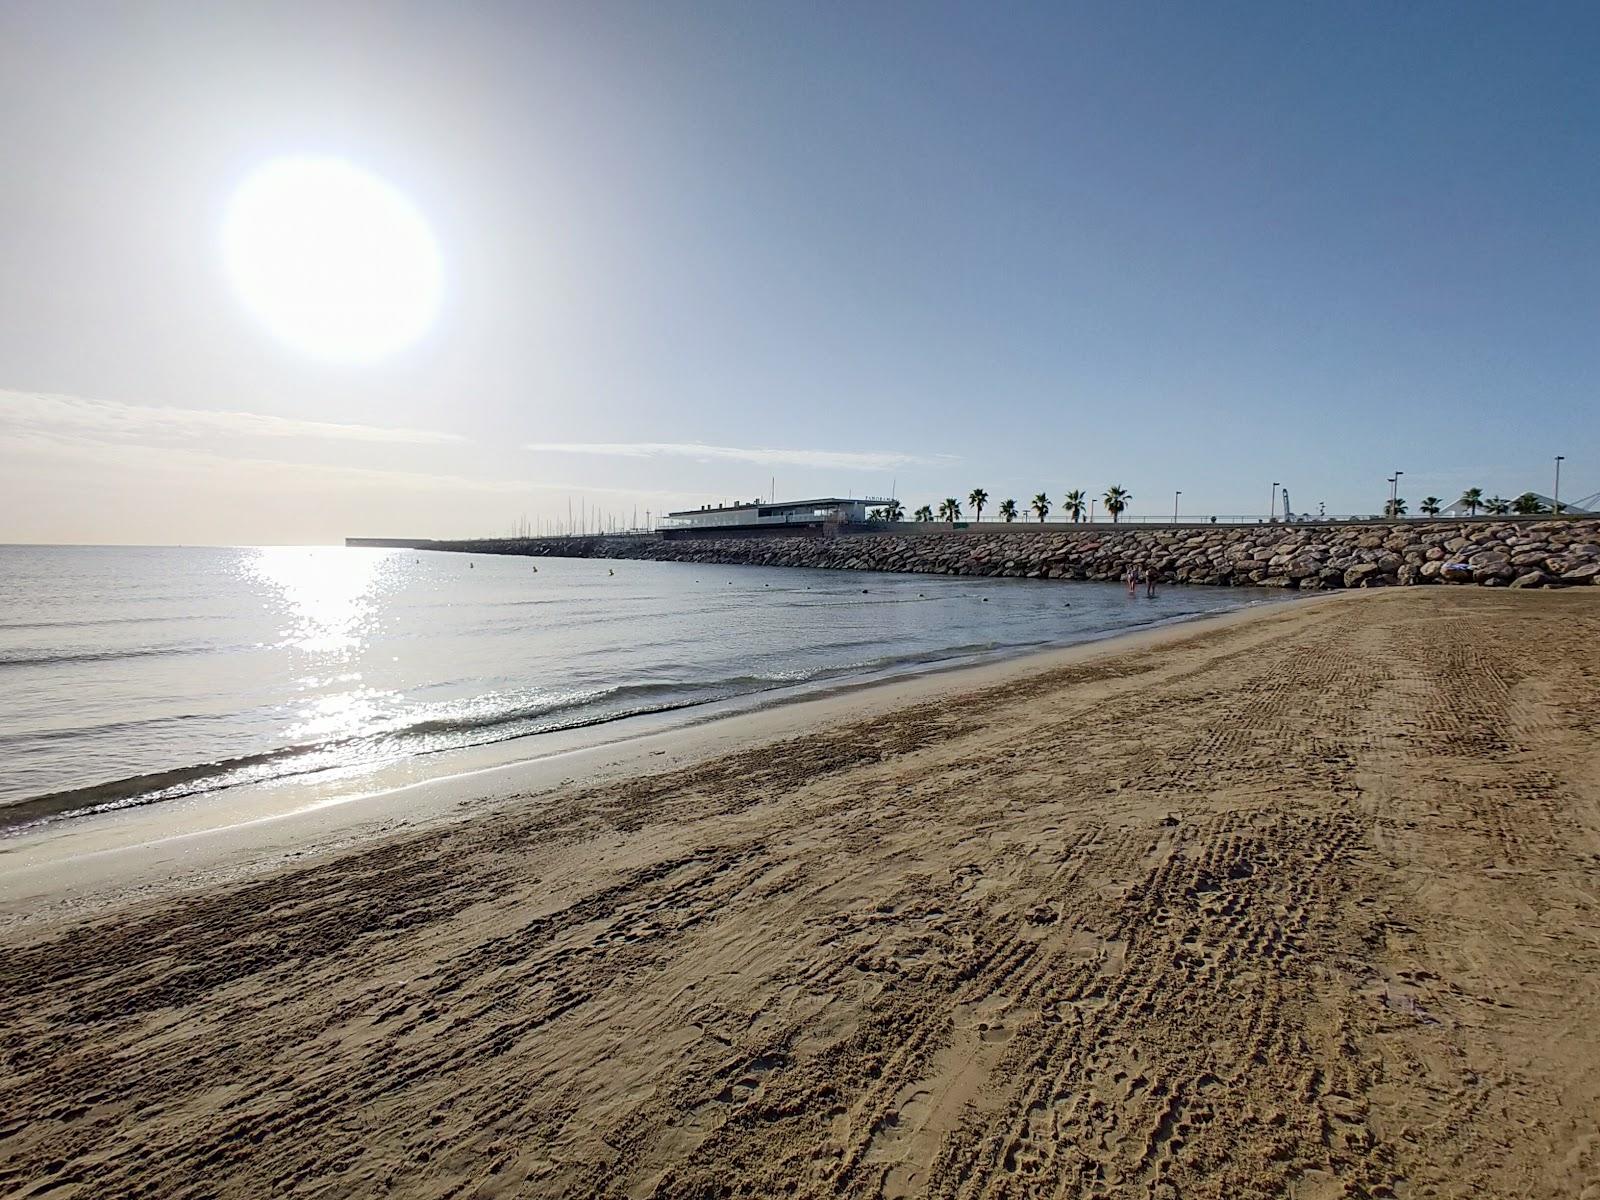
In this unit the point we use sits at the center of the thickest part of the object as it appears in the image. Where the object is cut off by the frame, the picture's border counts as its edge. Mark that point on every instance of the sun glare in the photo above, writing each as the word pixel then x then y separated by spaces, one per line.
pixel 333 260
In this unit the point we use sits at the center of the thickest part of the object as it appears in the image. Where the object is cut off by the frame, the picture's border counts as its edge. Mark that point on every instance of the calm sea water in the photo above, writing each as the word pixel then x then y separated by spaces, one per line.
pixel 132 675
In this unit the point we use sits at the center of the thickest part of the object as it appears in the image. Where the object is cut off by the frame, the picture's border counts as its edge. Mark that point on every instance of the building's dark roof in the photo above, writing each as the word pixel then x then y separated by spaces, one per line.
pixel 778 504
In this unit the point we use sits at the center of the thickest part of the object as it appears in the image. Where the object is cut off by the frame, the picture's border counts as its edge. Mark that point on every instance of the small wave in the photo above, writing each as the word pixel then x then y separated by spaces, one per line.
pixel 99 797
pixel 47 658
pixel 95 623
pixel 31 737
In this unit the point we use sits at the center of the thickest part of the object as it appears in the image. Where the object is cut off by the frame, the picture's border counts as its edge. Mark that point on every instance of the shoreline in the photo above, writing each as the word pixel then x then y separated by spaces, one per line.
pixel 1293 902
pixel 222 836
pixel 107 798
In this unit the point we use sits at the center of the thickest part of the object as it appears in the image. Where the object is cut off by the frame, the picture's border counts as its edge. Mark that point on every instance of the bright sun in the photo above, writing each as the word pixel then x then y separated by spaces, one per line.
pixel 332 259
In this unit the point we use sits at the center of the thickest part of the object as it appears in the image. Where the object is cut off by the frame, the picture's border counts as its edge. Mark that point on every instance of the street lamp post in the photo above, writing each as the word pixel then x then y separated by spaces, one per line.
pixel 1091 510
pixel 1555 497
pixel 1272 516
pixel 1175 496
pixel 1394 495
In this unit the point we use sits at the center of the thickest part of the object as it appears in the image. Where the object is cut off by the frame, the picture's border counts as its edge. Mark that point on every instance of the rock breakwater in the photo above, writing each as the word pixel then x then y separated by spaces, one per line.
pixel 1550 553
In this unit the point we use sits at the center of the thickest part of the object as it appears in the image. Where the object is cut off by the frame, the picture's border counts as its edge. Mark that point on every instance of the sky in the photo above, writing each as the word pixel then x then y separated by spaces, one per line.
pixel 688 253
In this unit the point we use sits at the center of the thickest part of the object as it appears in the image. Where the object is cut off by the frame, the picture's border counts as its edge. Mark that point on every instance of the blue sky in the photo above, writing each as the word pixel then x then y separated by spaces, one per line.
pixel 853 246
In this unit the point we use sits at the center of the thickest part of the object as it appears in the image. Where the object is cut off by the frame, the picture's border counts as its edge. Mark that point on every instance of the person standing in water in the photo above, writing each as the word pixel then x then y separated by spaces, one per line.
pixel 1150 581
pixel 1131 578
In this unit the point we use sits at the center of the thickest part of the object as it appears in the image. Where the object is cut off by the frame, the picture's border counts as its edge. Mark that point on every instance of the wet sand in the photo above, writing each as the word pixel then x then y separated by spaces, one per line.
pixel 1302 904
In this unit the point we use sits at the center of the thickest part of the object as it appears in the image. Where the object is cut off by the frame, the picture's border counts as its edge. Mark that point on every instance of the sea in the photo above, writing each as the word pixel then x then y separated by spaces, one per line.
pixel 135 675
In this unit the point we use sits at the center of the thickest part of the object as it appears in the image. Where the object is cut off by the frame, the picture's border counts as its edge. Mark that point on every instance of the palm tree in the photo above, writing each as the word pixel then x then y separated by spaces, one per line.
pixel 1075 504
pixel 923 514
pixel 1430 506
pixel 1116 501
pixel 950 509
pixel 1473 499
pixel 893 511
pixel 1527 505
pixel 1395 507
pixel 1041 506
pixel 1497 505
pixel 1008 511
pixel 874 514
pixel 977 497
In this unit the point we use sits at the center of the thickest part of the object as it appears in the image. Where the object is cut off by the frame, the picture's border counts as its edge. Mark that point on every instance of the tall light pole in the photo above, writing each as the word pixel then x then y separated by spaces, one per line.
pixel 1394 494
pixel 1273 514
pixel 1175 496
pixel 1555 497
pixel 1091 510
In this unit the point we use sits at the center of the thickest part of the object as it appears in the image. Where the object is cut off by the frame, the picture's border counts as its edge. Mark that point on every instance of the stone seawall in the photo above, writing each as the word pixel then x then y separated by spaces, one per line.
pixel 1552 553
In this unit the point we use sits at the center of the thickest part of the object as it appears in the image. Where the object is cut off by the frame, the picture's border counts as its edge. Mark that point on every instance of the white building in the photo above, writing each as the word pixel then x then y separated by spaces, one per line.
pixel 760 515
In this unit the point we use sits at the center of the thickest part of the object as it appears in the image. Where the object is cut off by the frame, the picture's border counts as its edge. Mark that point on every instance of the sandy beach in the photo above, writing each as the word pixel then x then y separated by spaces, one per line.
pixel 1303 903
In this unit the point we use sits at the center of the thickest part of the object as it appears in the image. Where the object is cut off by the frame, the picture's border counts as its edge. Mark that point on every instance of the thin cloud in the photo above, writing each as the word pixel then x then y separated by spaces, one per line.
pixel 113 421
pixel 32 449
pixel 849 460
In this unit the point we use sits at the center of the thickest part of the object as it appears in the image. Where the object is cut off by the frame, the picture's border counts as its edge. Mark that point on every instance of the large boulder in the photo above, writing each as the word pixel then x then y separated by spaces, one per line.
pixel 1586 573
pixel 1361 574
pixel 1530 579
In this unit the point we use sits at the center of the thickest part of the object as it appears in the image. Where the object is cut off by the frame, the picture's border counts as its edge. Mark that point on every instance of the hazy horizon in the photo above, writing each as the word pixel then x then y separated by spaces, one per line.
pixel 660 256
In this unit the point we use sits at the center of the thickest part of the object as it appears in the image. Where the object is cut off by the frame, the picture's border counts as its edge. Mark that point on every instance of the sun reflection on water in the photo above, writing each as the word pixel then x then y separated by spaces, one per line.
pixel 328 598
pixel 336 715
pixel 330 601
